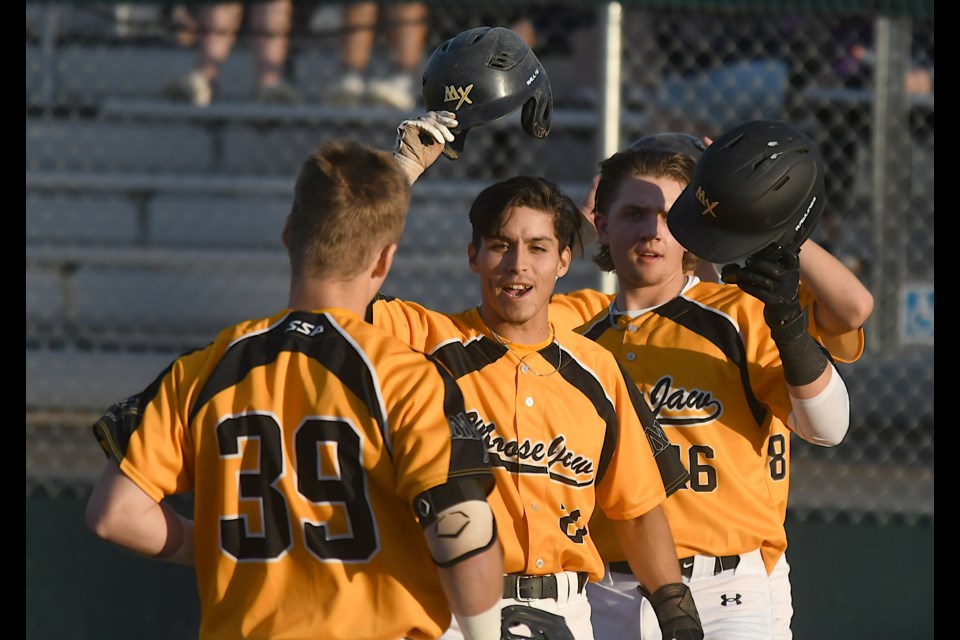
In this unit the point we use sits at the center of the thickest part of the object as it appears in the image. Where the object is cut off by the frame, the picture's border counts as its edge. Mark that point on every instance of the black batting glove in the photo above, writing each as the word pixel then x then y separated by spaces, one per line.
pixel 773 276
pixel 676 612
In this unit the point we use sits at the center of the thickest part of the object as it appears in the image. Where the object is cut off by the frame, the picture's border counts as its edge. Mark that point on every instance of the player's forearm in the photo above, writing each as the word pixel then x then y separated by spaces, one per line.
pixel 473 588
pixel 843 304
pixel 178 547
pixel 120 512
pixel 647 543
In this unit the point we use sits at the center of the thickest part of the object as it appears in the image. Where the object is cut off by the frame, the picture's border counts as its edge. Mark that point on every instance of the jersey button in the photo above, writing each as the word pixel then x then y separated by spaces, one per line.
pixel 528 402
pixel 524 368
pixel 631 356
pixel 539 563
pixel 632 328
pixel 535 507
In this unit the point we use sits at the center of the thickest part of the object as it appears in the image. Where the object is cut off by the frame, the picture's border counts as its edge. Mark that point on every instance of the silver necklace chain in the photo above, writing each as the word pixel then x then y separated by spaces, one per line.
pixel 521 361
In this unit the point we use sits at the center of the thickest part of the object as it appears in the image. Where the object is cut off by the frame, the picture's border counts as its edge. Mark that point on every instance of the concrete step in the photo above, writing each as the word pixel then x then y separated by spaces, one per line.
pixel 238 139
pixel 74 380
pixel 172 210
pixel 177 298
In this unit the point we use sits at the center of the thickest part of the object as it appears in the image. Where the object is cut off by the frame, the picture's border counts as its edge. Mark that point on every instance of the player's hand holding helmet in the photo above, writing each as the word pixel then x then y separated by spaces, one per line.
pixel 773 276
pixel 676 612
pixel 485 74
pixel 757 193
pixel 420 141
pixel 760 183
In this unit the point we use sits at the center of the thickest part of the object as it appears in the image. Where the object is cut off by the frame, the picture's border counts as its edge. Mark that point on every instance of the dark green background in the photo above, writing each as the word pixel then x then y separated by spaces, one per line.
pixel 850 580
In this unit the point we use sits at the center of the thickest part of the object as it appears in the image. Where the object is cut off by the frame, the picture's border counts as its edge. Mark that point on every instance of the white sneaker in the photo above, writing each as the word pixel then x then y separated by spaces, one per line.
pixel 394 91
pixel 193 87
pixel 349 90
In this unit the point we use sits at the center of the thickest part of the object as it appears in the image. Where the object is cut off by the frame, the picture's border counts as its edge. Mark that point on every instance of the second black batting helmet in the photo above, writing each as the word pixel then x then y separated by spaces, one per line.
pixel 484 74
pixel 758 184
pixel 673 142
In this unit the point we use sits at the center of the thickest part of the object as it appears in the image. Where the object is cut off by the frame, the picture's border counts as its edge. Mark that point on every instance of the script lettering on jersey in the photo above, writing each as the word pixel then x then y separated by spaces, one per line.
pixel 306 328
pixel 462 428
pixel 535 457
pixel 680 407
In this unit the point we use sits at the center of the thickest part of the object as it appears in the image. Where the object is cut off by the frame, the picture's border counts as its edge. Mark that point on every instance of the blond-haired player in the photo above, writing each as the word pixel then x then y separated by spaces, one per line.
pixel 339 487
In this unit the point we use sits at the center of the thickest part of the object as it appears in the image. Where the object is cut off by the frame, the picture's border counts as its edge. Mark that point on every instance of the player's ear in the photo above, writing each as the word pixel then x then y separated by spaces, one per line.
pixel 384 261
pixel 600 222
pixel 285 236
pixel 565 257
pixel 472 257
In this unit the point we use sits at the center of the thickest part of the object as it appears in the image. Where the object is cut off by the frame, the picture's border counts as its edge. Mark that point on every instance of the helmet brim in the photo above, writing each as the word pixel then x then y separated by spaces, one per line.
pixel 453 149
pixel 690 223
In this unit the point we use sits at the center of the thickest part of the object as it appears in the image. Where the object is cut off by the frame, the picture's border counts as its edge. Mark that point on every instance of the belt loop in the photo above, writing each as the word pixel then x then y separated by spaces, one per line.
pixel 726 562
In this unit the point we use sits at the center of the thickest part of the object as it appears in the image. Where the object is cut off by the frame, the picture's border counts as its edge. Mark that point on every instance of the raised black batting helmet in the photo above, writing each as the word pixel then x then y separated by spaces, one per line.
pixel 673 142
pixel 758 184
pixel 484 74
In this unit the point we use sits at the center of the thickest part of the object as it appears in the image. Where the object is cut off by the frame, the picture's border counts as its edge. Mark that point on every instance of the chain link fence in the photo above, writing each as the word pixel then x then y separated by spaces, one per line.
pixel 151 224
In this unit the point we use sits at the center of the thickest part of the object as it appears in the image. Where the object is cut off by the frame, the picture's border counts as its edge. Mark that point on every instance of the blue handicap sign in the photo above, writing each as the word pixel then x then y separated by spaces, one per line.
pixel 916 325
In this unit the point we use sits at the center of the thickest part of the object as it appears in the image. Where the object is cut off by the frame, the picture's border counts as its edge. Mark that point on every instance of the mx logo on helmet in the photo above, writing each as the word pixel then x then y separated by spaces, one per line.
pixel 705 201
pixel 457 94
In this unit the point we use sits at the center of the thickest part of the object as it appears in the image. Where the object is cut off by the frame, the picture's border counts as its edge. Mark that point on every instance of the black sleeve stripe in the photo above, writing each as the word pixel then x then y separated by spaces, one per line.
pixel 599 327
pixel 721 333
pixel 468 452
pixel 587 384
pixel 463 359
pixel 672 472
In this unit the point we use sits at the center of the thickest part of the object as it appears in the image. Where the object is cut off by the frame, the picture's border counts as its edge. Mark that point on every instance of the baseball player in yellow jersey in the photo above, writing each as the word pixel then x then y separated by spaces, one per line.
pixel 702 354
pixel 836 312
pixel 331 464
pixel 833 299
pixel 565 429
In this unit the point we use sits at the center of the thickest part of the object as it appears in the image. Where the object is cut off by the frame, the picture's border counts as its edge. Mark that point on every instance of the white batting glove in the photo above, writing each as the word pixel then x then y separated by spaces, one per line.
pixel 420 141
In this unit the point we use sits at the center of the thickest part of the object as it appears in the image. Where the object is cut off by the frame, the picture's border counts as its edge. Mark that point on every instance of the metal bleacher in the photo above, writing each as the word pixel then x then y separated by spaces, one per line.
pixel 151 225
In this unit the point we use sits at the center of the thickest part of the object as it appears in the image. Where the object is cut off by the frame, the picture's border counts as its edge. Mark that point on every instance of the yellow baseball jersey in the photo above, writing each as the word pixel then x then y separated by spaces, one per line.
pixel 305 438
pixel 564 428
pixel 712 374
pixel 576 307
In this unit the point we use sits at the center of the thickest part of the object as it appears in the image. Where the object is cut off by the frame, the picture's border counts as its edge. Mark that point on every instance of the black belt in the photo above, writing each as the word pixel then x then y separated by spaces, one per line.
pixel 686 565
pixel 536 587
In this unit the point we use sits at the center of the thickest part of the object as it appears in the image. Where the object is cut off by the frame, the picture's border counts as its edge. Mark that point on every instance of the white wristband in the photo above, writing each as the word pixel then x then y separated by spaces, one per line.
pixel 483 626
